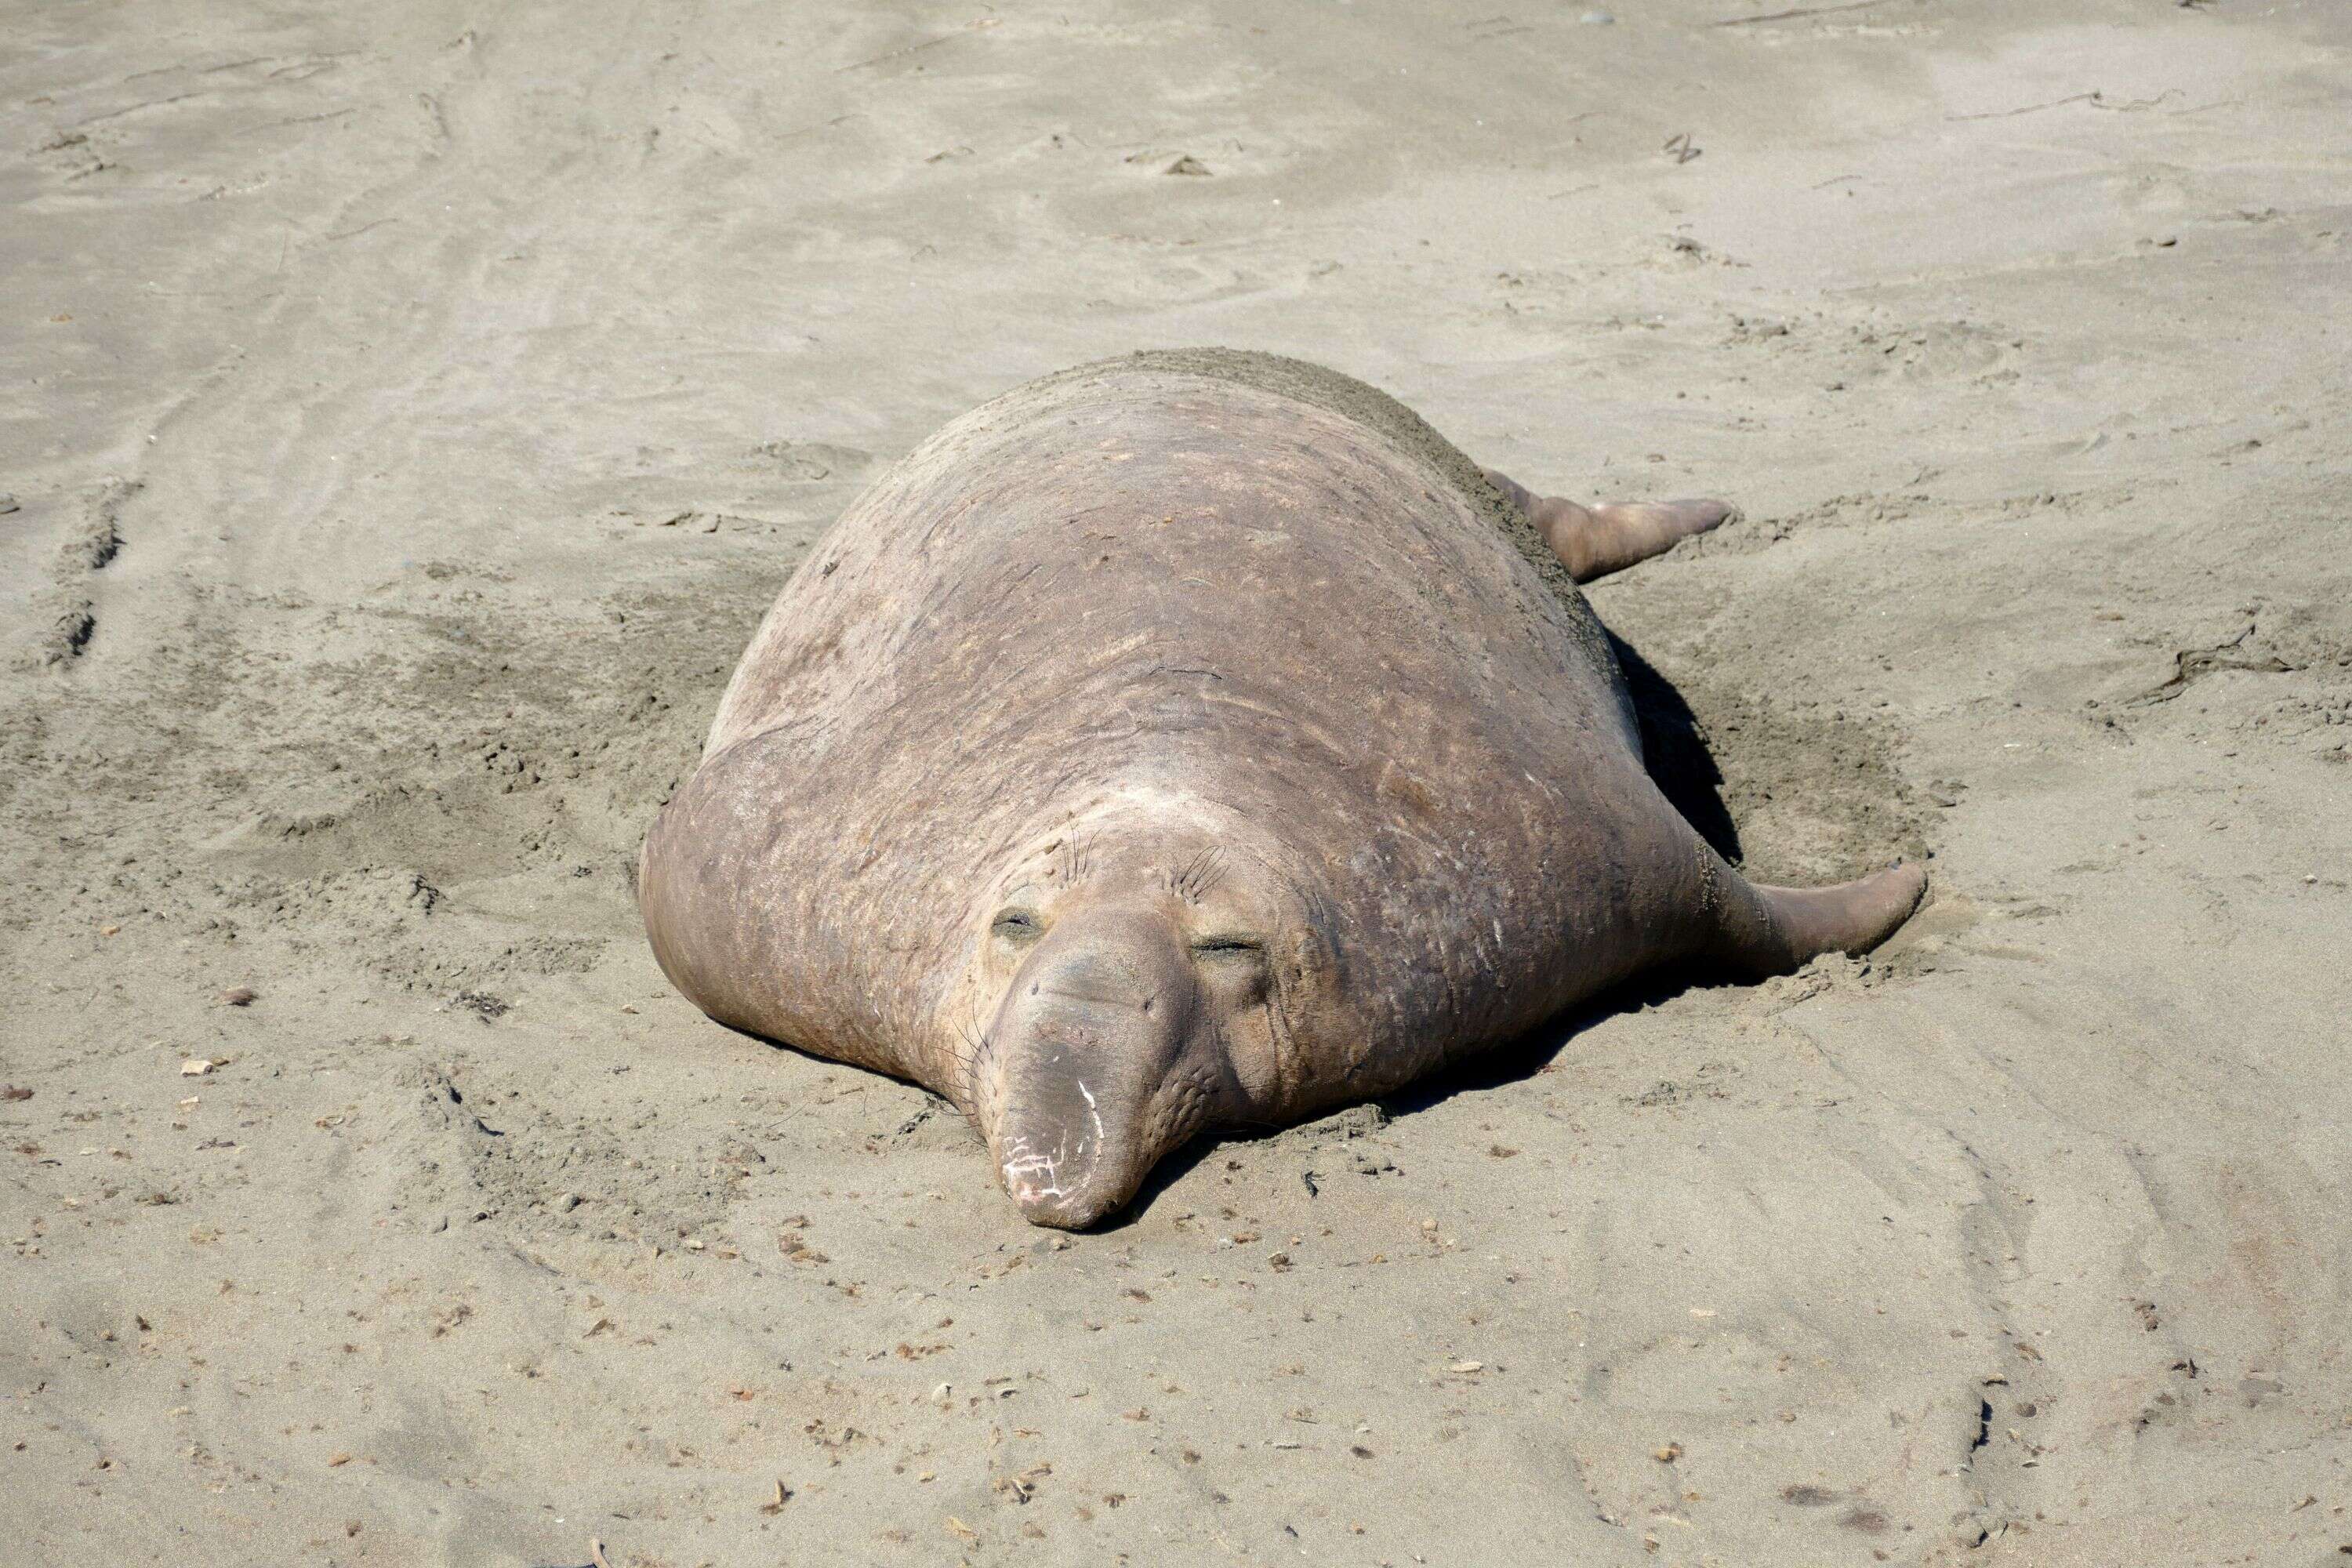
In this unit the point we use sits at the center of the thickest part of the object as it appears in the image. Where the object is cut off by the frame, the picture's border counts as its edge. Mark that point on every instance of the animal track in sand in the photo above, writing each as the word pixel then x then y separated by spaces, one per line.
pixel 89 549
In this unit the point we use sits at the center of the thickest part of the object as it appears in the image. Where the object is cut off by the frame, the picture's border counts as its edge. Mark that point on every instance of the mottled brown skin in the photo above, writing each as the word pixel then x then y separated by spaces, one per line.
pixel 1186 742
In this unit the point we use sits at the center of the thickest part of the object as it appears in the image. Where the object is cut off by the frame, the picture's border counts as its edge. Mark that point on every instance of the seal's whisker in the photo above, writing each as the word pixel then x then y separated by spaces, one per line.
pixel 1192 880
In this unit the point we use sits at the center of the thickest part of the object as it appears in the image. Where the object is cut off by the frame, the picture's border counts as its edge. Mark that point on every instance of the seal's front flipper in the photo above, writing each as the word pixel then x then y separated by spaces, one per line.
pixel 1763 931
pixel 1596 541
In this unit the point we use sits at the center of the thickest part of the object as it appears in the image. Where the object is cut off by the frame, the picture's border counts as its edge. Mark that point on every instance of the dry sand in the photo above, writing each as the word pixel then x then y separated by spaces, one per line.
pixel 409 412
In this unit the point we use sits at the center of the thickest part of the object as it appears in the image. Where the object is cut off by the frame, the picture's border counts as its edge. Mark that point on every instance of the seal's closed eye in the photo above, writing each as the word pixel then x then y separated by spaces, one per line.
pixel 1229 945
pixel 1017 925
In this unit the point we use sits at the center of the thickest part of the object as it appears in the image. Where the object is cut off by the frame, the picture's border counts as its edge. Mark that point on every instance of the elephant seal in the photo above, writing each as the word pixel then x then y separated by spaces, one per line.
pixel 1186 741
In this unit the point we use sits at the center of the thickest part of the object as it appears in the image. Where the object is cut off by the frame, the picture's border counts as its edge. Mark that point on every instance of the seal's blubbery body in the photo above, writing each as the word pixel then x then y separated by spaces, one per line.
pixel 1183 740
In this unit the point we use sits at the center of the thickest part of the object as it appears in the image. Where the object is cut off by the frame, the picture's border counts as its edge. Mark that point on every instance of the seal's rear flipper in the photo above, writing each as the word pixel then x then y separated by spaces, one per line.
pixel 1771 931
pixel 1597 539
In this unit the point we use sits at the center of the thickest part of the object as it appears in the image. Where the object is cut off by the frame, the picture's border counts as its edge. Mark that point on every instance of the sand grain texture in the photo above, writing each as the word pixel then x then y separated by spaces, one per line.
pixel 409 411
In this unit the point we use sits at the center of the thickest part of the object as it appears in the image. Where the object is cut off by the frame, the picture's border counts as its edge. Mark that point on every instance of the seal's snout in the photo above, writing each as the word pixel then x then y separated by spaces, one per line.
pixel 1087 1032
pixel 1064 1144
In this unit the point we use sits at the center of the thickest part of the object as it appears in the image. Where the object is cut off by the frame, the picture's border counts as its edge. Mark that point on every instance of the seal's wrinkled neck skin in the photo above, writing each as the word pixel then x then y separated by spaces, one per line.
pixel 1134 982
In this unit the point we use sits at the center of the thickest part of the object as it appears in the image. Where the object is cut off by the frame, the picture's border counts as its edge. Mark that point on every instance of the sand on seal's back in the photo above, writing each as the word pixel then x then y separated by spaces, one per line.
pixel 1328 389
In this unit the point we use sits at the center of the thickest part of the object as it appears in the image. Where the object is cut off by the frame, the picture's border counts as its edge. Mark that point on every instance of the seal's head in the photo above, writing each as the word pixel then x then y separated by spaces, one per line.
pixel 1137 977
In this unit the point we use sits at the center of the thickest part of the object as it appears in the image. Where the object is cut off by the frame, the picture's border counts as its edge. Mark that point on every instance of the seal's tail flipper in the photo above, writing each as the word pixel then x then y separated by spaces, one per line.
pixel 1771 930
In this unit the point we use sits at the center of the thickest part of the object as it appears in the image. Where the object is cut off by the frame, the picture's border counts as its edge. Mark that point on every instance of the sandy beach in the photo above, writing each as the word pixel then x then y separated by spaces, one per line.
pixel 407 412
